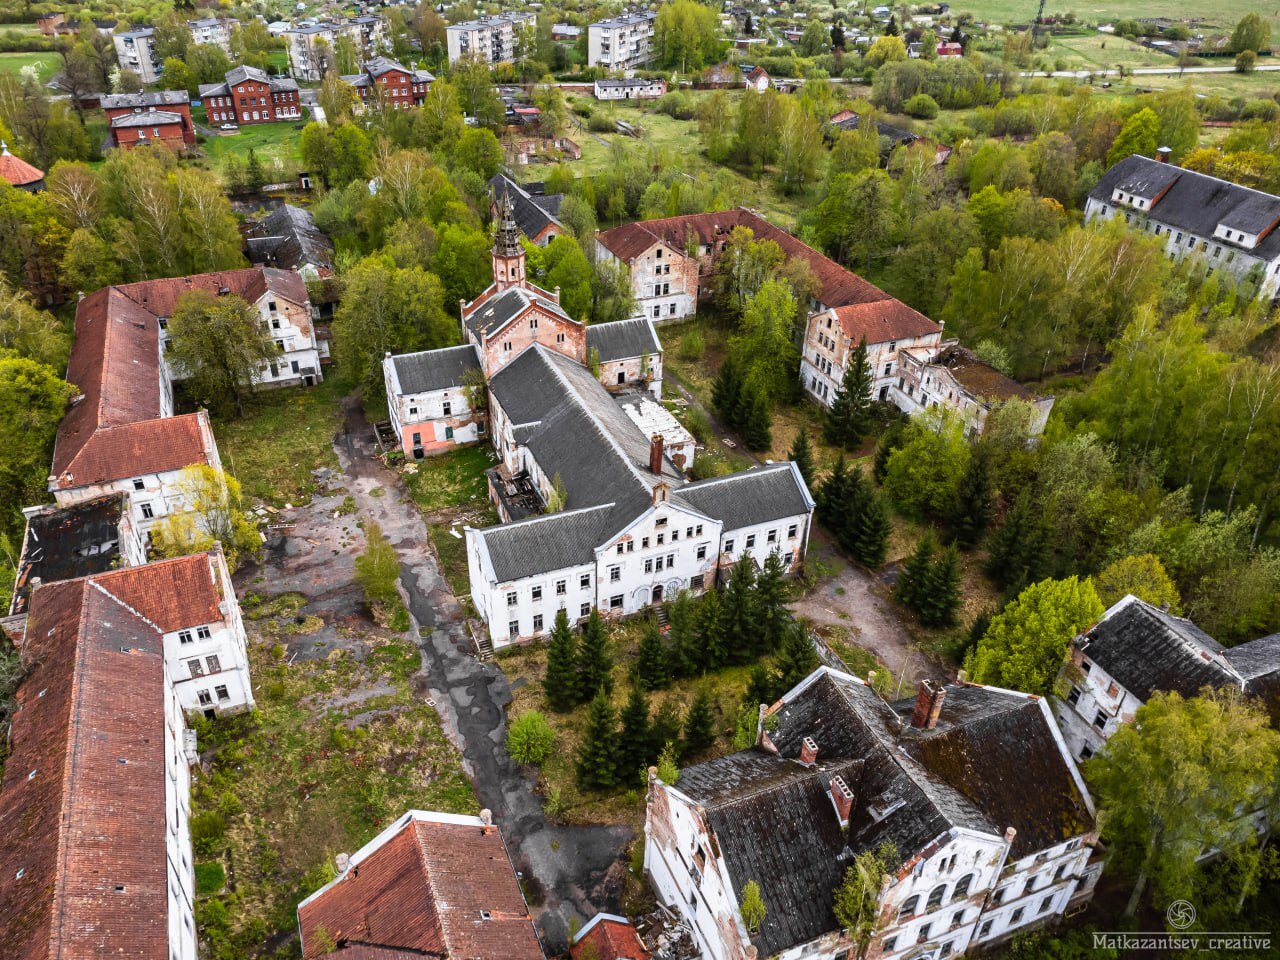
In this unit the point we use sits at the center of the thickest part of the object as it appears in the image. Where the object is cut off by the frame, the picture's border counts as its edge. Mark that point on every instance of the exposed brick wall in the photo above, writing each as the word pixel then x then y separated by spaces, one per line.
pixel 520 333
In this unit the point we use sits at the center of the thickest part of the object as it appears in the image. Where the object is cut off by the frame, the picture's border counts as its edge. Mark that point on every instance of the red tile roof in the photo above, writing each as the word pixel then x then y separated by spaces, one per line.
pixel 17 171
pixel 608 938
pixel 136 449
pixel 437 884
pixel 883 320
pixel 84 872
pixel 837 286
pixel 160 297
pixel 172 594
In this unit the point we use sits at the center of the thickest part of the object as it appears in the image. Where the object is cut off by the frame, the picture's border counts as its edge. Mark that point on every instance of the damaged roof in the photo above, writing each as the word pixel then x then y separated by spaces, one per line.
pixel 63 543
pixel 531 216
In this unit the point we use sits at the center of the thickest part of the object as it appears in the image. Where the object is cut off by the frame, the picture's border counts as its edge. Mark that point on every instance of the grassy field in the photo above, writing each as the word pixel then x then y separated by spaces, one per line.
pixel 26 29
pixel 526 666
pixel 276 145
pixel 46 63
pixel 337 749
pixel 1222 15
pixel 284 435
pixel 453 479
pixel 1099 51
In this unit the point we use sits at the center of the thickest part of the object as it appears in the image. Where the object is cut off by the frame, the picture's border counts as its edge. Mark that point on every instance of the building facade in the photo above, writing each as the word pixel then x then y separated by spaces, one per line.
pixel 136 51
pixel 213 30
pixel 621 43
pixel 125 108
pixel 947 375
pixel 832 337
pixel 837 771
pixel 492 39
pixel 1227 226
pixel 312 45
pixel 388 85
pixel 154 128
pixel 630 89
pixel 248 96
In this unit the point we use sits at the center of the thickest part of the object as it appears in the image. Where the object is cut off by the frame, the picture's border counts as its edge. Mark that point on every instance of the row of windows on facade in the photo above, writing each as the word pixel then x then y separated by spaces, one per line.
pixel 196 665
pixel 1159 229
pixel 889 944
pixel 697 582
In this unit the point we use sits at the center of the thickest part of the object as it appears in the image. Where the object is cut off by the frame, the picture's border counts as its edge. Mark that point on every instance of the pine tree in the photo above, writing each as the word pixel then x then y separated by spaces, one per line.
pixel 726 390
pixel 635 748
pixel 598 755
pixel 595 666
pixel 831 494
pixel 757 431
pixel 741 616
pixel 699 725
pixel 1018 552
pixel 871 532
pixel 687 652
pixel 714 632
pixel 254 177
pixel 971 513
pixel 561 681
pixel 914 575
pixel 763 686
pixel 797 658
pixel 940 598
pixel 849 419
pixel 771 601
pixel 850 510
pixel 666 726
pixel 652 669
pixel 890 440
pixel 802 456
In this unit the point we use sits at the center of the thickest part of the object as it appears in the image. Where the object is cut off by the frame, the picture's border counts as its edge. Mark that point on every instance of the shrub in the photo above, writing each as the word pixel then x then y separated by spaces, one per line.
pixel 599 123
pixel 378 568
pixel 693 345
pixel 921 106
pixel 207 831
pixel 583 108
pixel 210 878
pixel 530 738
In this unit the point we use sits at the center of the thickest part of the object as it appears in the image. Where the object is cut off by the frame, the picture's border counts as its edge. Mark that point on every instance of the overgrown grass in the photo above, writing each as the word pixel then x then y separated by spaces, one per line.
pixel 452 479
pixel 336 750
pixel 283 436
pixel 452 552
pixel 526 666
pixel 46 64
pixel 1221 15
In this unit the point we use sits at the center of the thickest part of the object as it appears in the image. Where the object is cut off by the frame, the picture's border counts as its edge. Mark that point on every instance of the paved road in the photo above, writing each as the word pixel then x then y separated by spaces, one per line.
pixel 579 869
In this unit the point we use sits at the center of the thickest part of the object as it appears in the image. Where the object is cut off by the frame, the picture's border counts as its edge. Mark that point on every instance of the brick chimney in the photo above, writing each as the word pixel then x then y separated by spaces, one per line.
pixel 655 454
pixel 1163 154
pixel 842 797
pixel 808 751
pixel 486 818
pixel 928 705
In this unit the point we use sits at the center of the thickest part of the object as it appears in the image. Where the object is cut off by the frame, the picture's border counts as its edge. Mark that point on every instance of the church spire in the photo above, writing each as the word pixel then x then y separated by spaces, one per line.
pixel 508 253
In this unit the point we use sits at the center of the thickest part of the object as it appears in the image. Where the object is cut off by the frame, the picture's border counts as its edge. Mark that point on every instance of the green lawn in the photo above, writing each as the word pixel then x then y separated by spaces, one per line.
pixel 1098 51
pixel 452 479
pixel 284 435
pixel 26 29
pixel 276 145
pixel 337 749
pixel 1221 15
pixel 46 63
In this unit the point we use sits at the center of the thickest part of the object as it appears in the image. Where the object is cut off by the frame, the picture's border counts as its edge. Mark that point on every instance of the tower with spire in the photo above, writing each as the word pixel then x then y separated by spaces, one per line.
pixel 508 253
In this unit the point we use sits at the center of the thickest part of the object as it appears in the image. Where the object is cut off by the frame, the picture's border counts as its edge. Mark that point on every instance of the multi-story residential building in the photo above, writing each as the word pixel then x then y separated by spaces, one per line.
pixel 1227 226
pixel 630 89
pixel 95 801
pixel 312 46
pixel 430 885
pixel 390 85
pixel 621 43
pixel 1137 650
pixel 836 771
pixel 213 30
pixel 169 113
pixel 493 39
pixel 136 51
pixel 248 96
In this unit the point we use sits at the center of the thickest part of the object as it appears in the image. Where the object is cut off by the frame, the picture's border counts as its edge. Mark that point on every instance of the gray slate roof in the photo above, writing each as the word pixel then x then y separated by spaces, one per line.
pixel 624 339
pixel 774 820
pixel 1146 650
pixel 1195 202
pixel 531 217
pixel 149 98
pixel 152 118
pixel 748 498
pixel 435 369
pixel 288 237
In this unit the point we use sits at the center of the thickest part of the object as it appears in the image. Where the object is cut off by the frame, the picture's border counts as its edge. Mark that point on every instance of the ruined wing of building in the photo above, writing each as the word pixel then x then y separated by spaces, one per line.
pixel 592 481
pixel 431 885
pixel 671 264
pixel 1227 226
pixel 534 214
pixel 943 778
pixel 1137 650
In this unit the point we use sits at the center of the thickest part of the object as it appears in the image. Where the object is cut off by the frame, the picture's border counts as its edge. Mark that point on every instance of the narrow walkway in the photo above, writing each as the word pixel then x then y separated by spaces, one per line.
pixel 578 869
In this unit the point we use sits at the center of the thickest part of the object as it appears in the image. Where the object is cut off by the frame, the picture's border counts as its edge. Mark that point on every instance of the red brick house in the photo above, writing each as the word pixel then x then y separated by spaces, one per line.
pixel 394 85
pixel 250 96
pixel 150 128
pixel 170 103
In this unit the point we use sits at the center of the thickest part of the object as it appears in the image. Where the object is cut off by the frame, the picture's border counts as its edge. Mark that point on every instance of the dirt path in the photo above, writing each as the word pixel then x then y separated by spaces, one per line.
pixel 578 870
pixel 722 430
pixel 855 601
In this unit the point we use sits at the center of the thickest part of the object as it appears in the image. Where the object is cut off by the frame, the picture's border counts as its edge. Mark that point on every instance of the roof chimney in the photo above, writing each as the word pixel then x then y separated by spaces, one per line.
pixel 486 818
pixel 655 454
pixel 928 705
pixel 842 797
pixel 1163 154
pixel 808 751
pixel 343 863
pixel 1009 834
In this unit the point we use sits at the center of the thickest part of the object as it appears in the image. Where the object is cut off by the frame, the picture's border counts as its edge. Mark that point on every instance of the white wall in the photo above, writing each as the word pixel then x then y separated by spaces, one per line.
pixel 179 861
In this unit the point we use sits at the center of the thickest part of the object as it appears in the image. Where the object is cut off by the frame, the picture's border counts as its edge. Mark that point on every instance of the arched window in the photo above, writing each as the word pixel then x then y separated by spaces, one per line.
pixel 935 898
pixel 962 887
pixel 908 908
